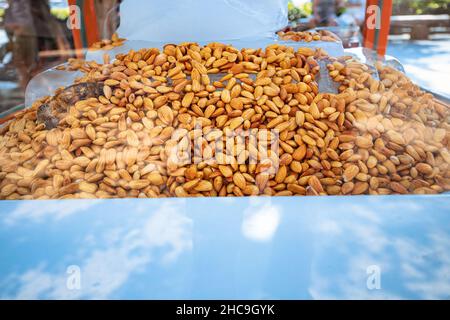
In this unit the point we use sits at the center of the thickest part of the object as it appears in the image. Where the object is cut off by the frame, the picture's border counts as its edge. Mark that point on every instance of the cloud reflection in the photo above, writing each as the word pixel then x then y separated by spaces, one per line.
pixel 261 219
pixel 413 265
pixel 161 238
pixel 54 209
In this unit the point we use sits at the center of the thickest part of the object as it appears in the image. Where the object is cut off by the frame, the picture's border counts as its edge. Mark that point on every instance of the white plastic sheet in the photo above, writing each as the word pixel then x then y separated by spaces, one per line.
pixel 200 20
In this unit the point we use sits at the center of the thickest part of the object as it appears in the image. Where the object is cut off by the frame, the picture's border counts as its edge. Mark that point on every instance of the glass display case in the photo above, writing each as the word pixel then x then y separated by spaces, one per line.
pixel 304 145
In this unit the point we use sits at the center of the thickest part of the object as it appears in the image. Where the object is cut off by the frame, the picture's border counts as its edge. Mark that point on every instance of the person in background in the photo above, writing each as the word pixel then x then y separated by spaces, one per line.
pixel 31 30
pixel 325 12
pixel 20 30
pixel 108 17
pixel 357 10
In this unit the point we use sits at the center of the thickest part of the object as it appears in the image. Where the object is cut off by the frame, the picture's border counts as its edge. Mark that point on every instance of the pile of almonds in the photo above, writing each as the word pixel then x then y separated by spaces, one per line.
pixel 399 136
pixel 374 137
pixel 307 36
pixel 108 44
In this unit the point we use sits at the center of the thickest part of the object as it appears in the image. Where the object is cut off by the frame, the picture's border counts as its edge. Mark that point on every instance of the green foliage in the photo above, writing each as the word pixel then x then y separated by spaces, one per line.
pixel 60 13
pixel 295 13
pixel 402 7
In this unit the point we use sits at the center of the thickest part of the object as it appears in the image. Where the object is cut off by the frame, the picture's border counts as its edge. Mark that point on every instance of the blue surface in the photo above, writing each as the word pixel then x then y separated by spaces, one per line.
pixel 231 248
pixel 426 62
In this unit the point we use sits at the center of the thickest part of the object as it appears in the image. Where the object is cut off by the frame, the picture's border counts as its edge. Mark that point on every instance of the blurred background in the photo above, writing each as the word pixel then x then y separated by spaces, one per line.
pixel 34 36
pixel 419 34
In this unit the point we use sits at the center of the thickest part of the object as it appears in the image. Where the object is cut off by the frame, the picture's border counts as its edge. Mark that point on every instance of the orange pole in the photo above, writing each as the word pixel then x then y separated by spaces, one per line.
pixel 90 22
pixel 376 36
pixel 386 12
pixel 368 32
pixel 87 33
pixel 76 33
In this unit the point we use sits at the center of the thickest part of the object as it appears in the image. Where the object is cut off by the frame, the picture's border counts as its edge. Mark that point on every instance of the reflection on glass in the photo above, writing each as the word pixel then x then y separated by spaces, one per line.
pixel 261 220
pixel 160 237
pixel 35 35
